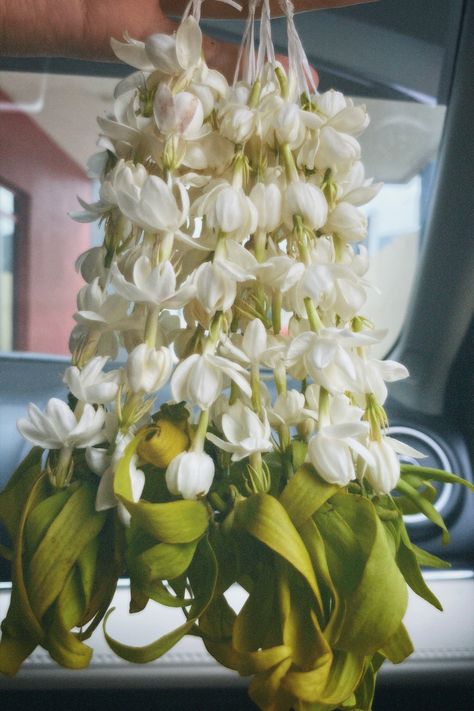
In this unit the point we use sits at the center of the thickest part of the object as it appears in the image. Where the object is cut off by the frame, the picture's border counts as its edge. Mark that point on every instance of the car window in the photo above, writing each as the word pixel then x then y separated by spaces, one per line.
pixel 48 125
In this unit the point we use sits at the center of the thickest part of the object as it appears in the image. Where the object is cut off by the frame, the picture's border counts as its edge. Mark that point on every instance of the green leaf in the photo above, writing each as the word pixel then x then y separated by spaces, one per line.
pixel 264 517
pixel 365 692
pixel 150 652
pixel 398 647
pixel 15 494
pixel 299 450
pixel 305 493
pixel 330 682
pixel 62 644
pixel 301 630
pixel 435 475
pixel 408 563
pixel 424 507
pixel 42 515
pixel 363 570
pixel 165 561
pixel 332 602
pixel 17 642
pixel 73 528
pixel 173 522
pixel 109 566
pixel 252 624
pixel 429 560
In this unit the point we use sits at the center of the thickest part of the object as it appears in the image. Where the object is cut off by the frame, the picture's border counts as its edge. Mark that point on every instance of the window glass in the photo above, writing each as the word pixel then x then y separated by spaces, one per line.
pixel 8 219
pixel 399 148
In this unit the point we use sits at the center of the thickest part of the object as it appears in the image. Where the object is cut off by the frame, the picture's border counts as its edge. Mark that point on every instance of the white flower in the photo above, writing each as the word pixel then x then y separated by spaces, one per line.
pixel 347 222
pixel 132 52
pixel 268 201
pixel 307 201
pixel 148 369
pixel 59 427
pixel 280 272
pixel 372 374
pixel 354 188
pixel 333 286
pixel 97 309
pixel 92 385
pixel 254 346
pixel 331 450
pixel 244 431
pixel 180 113
pixel 199 379
pixel 211 152
pixel 150 202
pixel 289 409
pixel 175 54
pixel 328 356
pixel 227 209
pixel 335 149
pixel 237 122
pixel 90 264
pixel 154 285
pixel 190 475
pixel 215 289
pixel 384 472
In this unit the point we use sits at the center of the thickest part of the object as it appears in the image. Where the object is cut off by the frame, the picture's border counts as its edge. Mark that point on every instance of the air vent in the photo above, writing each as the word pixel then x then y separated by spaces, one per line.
pixel 435 457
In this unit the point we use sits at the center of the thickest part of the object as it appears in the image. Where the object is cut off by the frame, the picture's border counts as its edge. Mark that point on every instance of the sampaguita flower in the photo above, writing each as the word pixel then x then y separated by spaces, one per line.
pixel 190 475
pixel 58 426
pixel 91 384
pixel 244 431
pixel 148 369
pixel 199 379
pixel 383 472
pixel 306 201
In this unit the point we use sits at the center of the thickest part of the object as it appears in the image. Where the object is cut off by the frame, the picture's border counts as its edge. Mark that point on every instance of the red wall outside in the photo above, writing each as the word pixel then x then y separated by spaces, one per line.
pixel 31 162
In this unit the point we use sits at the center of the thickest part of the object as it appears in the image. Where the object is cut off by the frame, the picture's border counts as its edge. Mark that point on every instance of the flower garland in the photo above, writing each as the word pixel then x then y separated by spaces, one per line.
pixel 271 466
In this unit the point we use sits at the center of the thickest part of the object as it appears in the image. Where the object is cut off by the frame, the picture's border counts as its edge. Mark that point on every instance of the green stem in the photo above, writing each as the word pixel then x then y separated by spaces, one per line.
pixel 324 416
pixel 313 316
pixel 289 163
pixel 201 431
pixel 151 326
pixel 254 95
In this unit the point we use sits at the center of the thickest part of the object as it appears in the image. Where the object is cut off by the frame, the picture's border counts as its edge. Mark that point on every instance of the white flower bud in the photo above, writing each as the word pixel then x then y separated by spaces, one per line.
pixel 238 123
pixel 347 222
pixel 331 102
pixel 383 476
pixel 180 113
pixel 332 459
pixel 190 475
pixel 215 290
pixel 307 201
pixel 148 369
pixel 267 200
pixel 336 149
pixel 288 125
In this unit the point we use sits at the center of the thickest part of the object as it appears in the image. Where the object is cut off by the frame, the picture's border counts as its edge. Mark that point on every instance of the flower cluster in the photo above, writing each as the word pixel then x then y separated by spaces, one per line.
pixel 250 408
pixel 238 205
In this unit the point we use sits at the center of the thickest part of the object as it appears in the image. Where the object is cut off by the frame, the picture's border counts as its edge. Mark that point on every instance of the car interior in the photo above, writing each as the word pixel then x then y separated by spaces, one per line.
pixel 411 63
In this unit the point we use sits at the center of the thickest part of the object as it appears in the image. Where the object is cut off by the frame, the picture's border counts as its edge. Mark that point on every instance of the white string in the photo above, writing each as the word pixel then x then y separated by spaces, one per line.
pixel 266 51
pixel 247 46
pixel 194 6
pixel 299 67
